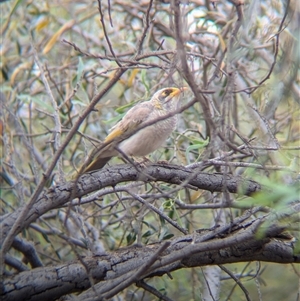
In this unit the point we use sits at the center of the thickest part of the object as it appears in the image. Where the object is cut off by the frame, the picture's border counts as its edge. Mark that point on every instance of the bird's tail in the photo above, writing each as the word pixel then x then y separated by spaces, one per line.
pixel 96 164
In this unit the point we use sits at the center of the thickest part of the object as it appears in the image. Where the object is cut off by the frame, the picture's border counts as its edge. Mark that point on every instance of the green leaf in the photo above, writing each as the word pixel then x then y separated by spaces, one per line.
pixel 46 238
pixel 147 234
pixel 144 81
pixel 124 108
pixel 78 102
pixel 36 99
pixel 196 145
pixel 130 238
pixel 275 195
pixel 167 236
pixel 168 204
pixel 113 120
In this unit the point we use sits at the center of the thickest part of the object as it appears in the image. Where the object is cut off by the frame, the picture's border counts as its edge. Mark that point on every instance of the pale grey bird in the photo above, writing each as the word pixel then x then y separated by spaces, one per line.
pixel 147 139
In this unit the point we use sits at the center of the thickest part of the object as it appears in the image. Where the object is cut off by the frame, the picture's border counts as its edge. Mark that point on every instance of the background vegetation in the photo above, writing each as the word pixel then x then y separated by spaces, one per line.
pixel 71 69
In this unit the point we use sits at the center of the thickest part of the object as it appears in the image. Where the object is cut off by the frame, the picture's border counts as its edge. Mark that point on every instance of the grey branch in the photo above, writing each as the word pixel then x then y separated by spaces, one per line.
pixel 236 242
pixel 59 195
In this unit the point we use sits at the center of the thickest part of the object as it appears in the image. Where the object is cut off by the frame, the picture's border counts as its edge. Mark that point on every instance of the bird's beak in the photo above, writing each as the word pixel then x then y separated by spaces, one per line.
pixel 183 89
pixel 177 91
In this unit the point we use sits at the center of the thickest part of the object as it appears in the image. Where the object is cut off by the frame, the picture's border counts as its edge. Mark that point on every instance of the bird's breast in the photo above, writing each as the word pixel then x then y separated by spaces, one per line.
pixel 149 138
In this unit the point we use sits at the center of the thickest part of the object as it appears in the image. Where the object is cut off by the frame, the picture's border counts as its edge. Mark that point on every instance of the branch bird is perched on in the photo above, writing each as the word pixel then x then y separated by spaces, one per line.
pixel 145 140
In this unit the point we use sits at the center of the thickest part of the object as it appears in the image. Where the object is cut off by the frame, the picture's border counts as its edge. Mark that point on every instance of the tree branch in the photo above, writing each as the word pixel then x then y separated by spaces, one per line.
pixel 59 195
pixel 237 242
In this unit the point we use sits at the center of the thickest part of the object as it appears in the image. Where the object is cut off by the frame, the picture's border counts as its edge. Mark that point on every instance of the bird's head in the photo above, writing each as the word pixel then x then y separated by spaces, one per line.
pixel 167 98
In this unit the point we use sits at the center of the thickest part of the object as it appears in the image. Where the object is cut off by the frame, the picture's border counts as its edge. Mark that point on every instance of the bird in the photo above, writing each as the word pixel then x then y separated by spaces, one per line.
pixel 129 136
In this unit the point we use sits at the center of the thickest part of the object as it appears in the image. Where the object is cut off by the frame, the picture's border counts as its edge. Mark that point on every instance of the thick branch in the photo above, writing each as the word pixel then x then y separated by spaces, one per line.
pixel 59 195
pixel 219 246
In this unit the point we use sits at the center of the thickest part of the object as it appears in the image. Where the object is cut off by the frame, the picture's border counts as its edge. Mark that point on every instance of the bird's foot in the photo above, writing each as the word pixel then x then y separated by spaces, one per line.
pixel 140 162
pixel 163 162
pixel 143 162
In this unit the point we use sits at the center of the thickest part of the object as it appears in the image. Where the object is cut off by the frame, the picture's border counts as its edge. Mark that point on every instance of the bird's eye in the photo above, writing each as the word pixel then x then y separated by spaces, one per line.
pixel 166 92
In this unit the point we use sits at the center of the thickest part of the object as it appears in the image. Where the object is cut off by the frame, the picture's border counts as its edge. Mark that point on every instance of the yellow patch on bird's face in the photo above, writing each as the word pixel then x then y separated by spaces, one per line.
pixel 157 104
pixel 170 93
pixel 164 96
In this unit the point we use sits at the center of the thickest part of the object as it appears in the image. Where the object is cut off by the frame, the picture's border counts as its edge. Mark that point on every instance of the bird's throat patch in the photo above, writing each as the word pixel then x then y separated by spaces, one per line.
pixel 157 104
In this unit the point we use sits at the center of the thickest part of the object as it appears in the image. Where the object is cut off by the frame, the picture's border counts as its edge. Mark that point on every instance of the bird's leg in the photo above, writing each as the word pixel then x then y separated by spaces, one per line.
pixel 133 160
pixel 144 161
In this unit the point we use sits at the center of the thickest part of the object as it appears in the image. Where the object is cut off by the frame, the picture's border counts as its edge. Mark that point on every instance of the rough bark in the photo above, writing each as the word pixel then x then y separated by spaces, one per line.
pixel 59 195
pixel 99 275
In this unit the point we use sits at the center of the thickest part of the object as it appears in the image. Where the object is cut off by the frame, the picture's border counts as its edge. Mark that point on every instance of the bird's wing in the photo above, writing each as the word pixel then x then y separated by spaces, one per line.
pixel 133 118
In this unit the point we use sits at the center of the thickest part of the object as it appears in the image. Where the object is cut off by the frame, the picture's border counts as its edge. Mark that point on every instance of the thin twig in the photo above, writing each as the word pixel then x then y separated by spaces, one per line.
pixel 276 48
pixel 185 68
pixel 19 221
pixel 143 269
pixel 105 33
pixel 153 291
pixel 237 281
pixel 160 213
pixel 57 129
pixel 147 24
